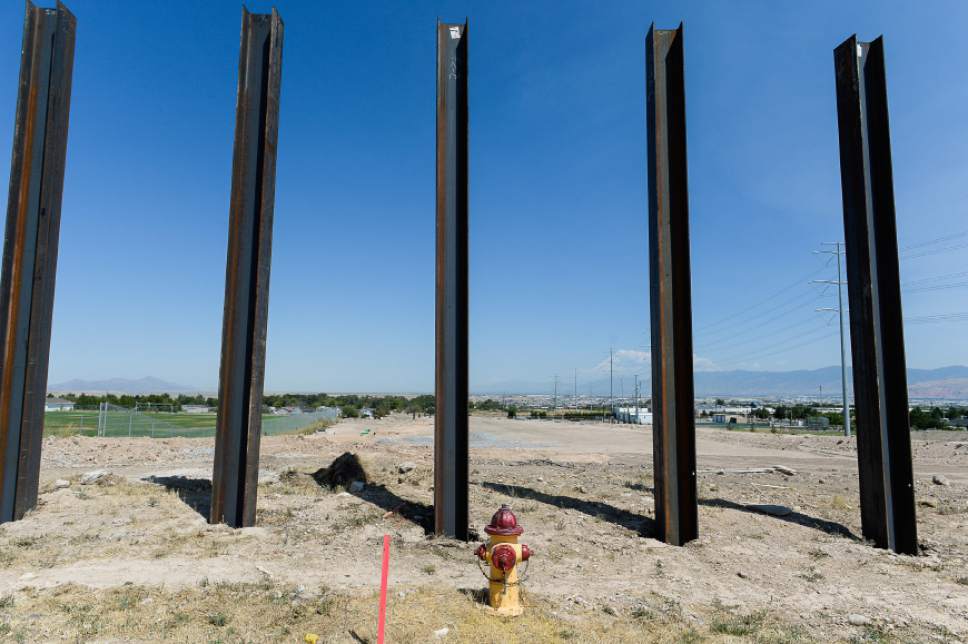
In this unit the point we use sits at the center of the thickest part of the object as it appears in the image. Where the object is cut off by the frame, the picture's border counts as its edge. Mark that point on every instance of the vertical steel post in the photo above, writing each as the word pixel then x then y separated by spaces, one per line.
pixel 239 424
pixel 673 414
pixel 874 295
pixel 30 249
pixel 450 417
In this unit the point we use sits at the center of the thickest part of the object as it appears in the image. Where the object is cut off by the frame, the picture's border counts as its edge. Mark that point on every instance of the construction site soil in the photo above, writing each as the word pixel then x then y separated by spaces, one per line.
pixel 120 549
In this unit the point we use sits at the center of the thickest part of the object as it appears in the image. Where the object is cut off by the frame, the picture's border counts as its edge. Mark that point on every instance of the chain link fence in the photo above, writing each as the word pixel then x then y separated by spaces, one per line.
pixel 113 421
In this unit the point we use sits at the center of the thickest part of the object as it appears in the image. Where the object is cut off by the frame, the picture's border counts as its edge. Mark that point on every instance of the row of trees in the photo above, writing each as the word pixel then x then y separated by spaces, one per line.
pixel 936 417
pixel 351 404
pixel 931 418
pixel 87 401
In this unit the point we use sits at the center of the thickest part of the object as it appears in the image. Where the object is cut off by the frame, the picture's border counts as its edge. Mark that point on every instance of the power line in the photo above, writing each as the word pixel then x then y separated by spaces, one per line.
pixel 795 303
pixel 781 343
pixel 770 298
pixel 937 240
pixel 791 347
pixel 940 317
pixel 936 278
pixel 759 337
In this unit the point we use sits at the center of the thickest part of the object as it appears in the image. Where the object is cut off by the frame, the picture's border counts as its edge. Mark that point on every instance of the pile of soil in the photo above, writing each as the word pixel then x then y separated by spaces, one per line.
pixel 341 472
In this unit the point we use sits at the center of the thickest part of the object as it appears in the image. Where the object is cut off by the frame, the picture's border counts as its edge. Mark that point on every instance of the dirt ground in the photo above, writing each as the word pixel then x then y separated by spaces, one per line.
pixel 131 557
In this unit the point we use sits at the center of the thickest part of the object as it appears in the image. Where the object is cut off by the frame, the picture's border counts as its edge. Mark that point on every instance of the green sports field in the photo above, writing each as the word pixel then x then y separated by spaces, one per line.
pixel 163 424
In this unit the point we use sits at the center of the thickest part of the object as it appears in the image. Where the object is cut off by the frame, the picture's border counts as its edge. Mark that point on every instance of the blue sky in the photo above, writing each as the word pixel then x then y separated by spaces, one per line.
pixel 558 186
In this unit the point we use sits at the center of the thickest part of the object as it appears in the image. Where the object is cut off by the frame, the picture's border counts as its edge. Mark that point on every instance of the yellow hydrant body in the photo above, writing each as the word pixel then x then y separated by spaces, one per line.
pixel 504 554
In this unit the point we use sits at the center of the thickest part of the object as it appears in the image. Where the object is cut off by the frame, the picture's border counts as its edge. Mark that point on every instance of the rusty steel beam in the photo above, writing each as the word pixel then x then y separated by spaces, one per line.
pixel 242 374
pixel 450 416
pixel 873 287
pixel 673 419
pixel 30 249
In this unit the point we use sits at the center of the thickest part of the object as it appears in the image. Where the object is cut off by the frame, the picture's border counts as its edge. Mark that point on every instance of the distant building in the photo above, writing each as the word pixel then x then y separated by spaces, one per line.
pixel 328 412
pixel 58 404
pixel 642 416
pixel 719 419
pixel 959 422
pixel 196 409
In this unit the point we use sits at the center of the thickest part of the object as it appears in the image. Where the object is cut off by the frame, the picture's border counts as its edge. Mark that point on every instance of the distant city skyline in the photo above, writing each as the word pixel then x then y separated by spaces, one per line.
pixel 558 242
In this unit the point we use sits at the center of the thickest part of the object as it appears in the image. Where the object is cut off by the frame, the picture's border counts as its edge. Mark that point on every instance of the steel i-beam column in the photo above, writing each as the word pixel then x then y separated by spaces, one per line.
pixel 30 249
pixel 673 418
pixel 239 425
pixel 873 286
pixel 450 417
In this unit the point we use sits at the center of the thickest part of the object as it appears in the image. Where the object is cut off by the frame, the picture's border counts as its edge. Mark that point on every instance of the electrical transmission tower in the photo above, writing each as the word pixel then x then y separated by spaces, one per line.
pixel 838 251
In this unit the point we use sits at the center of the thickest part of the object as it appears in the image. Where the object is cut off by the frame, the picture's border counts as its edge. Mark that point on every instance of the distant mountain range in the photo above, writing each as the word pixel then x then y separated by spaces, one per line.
pixel 944 382
pixel 146 385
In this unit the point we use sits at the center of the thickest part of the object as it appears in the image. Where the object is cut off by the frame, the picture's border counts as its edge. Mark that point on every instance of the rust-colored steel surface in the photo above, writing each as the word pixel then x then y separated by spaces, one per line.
pixel 673 419
pixel 239 424
pixel 450 417
pixel 874 292
pixel 30 249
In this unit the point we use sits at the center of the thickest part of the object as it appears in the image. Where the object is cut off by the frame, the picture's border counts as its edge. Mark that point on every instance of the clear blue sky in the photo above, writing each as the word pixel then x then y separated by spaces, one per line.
pixel 558 185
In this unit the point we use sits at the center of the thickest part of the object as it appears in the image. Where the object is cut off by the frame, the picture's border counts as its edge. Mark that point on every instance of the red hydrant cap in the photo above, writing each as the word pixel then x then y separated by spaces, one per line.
pixel 504 523
pixel 503 557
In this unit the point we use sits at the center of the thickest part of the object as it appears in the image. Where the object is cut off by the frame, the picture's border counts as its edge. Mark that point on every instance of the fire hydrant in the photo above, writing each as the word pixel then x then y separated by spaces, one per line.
pixel 504 553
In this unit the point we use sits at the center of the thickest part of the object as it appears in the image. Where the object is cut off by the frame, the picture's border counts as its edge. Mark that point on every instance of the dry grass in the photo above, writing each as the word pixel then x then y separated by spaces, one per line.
pixel 267 613
pixel 318 426
pixel 837 502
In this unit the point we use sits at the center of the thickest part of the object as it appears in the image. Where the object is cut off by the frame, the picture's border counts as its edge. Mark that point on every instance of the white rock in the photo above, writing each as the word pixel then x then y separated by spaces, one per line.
pixel 60 484
pixel 268 477
pixel 403 468
pixel 441 633
pixel 783 469
pixel 771 509
pixel 255 531
pixel 939 479
pixel 858 620
pixel 93 476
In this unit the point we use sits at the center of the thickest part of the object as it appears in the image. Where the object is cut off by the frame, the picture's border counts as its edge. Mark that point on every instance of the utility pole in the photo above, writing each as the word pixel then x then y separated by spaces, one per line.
pixel 554 404
pixel 611 384
pixel 636 399
pixel 838 251
pixel 576 390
